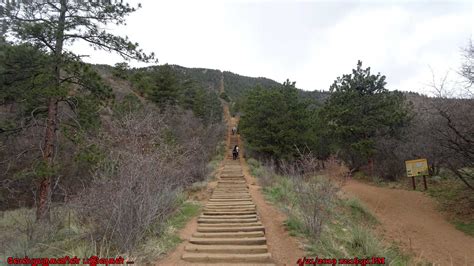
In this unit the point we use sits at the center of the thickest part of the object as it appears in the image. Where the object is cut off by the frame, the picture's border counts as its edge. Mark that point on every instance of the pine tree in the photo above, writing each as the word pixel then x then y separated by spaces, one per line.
pixel 359 109
pixel 274 121
pixel 165 91
pixel 51 26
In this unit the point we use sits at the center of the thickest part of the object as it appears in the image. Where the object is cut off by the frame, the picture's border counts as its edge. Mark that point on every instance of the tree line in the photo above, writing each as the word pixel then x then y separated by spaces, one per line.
pixel 368 127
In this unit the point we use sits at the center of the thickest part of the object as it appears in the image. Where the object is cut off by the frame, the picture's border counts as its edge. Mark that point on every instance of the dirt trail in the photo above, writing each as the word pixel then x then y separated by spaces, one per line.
pixel 284 248
pixel 411 219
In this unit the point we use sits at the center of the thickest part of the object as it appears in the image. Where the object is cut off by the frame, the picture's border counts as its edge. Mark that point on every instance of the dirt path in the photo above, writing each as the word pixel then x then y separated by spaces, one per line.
pixel 411 219
pixel 284 248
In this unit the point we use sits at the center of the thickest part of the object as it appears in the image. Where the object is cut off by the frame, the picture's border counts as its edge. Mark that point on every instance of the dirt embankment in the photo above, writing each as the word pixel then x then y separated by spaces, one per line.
pixel 411 219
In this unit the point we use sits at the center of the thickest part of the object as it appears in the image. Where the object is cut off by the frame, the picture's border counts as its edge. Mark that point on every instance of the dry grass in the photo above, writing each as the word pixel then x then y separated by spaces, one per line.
pixel 331 226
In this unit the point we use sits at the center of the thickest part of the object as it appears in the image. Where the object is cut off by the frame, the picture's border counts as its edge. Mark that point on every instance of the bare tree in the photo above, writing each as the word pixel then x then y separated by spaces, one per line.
pixel 151 158
pixel 467 69
pixel 454 128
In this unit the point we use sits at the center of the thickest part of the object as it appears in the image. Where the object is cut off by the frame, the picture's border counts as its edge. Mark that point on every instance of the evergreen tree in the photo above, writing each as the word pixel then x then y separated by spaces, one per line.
pixel 50 26
pixel 274 121
pixel 166 89
pixel 121 70
pixel 359 109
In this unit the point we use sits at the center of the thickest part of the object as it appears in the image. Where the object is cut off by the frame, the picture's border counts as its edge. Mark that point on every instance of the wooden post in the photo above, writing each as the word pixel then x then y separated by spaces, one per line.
pixel 413 182
pixel 424 182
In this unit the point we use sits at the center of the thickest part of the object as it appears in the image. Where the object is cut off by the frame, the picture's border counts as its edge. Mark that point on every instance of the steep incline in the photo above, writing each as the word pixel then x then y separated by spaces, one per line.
pixel 229 229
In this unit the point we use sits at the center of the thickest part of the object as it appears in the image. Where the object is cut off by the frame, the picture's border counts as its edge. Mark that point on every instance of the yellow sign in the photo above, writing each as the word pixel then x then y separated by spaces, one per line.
pixel 417 167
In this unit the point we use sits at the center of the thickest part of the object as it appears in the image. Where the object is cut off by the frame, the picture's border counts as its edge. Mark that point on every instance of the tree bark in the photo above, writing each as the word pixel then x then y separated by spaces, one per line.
pixel 50 139
pixel 42 211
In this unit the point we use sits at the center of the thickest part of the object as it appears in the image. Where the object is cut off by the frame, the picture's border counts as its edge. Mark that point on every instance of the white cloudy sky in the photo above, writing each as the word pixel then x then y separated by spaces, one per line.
pixel 310 42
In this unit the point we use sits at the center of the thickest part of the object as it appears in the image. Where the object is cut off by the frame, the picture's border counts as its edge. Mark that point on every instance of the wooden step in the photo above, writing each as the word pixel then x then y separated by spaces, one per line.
pixel 229 225
pixel 227 186
pixel 219 212
pixel 230 207
pixel 227 191
pixel 228 241
pixel 224 258
pixel 230 229
pixel 222 181
pixel 228 234
pixel 229 249
pixel 231 203
pixel 236 188
pixel 220 190
pixel 216 221
pixel 229 200
pixel 248 197
pixel 230 216
pixel 231 194
pixel 236 204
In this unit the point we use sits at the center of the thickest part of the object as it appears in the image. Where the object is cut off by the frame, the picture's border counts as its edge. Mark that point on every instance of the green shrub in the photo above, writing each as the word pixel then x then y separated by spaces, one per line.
pixel 363 244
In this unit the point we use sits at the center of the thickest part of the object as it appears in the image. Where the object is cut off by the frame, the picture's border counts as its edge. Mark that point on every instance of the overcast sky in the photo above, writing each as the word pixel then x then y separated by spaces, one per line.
pixel 310 42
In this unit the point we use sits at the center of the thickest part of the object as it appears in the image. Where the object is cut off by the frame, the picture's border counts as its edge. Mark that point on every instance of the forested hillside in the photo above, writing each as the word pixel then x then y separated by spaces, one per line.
pixel 237 85
pixel 101 160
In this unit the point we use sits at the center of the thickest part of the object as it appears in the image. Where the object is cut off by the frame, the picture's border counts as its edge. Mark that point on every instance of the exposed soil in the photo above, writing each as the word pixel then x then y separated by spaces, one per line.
pixel 411 219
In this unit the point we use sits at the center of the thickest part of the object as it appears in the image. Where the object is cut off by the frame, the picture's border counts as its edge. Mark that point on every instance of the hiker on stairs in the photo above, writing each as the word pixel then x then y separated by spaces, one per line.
pixel 235 152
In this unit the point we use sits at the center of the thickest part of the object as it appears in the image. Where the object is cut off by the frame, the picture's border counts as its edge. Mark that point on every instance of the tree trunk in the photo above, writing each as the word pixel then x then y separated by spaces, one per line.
pixel 434 169
pixel 50 139
pixel 42 211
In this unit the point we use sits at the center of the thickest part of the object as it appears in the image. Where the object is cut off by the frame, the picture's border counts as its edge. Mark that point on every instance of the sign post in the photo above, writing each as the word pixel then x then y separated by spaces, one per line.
pixel 415 168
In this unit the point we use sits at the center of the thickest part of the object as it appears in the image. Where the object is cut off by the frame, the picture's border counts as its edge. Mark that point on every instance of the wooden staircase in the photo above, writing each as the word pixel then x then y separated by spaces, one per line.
pixel 229 229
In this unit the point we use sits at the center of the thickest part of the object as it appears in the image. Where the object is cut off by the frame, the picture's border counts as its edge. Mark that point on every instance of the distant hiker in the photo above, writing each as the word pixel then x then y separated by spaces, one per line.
pixel 234 130
pixel 235 152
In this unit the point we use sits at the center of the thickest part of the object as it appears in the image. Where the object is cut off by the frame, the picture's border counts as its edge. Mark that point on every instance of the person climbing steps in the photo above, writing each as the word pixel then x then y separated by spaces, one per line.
pixel 235 152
